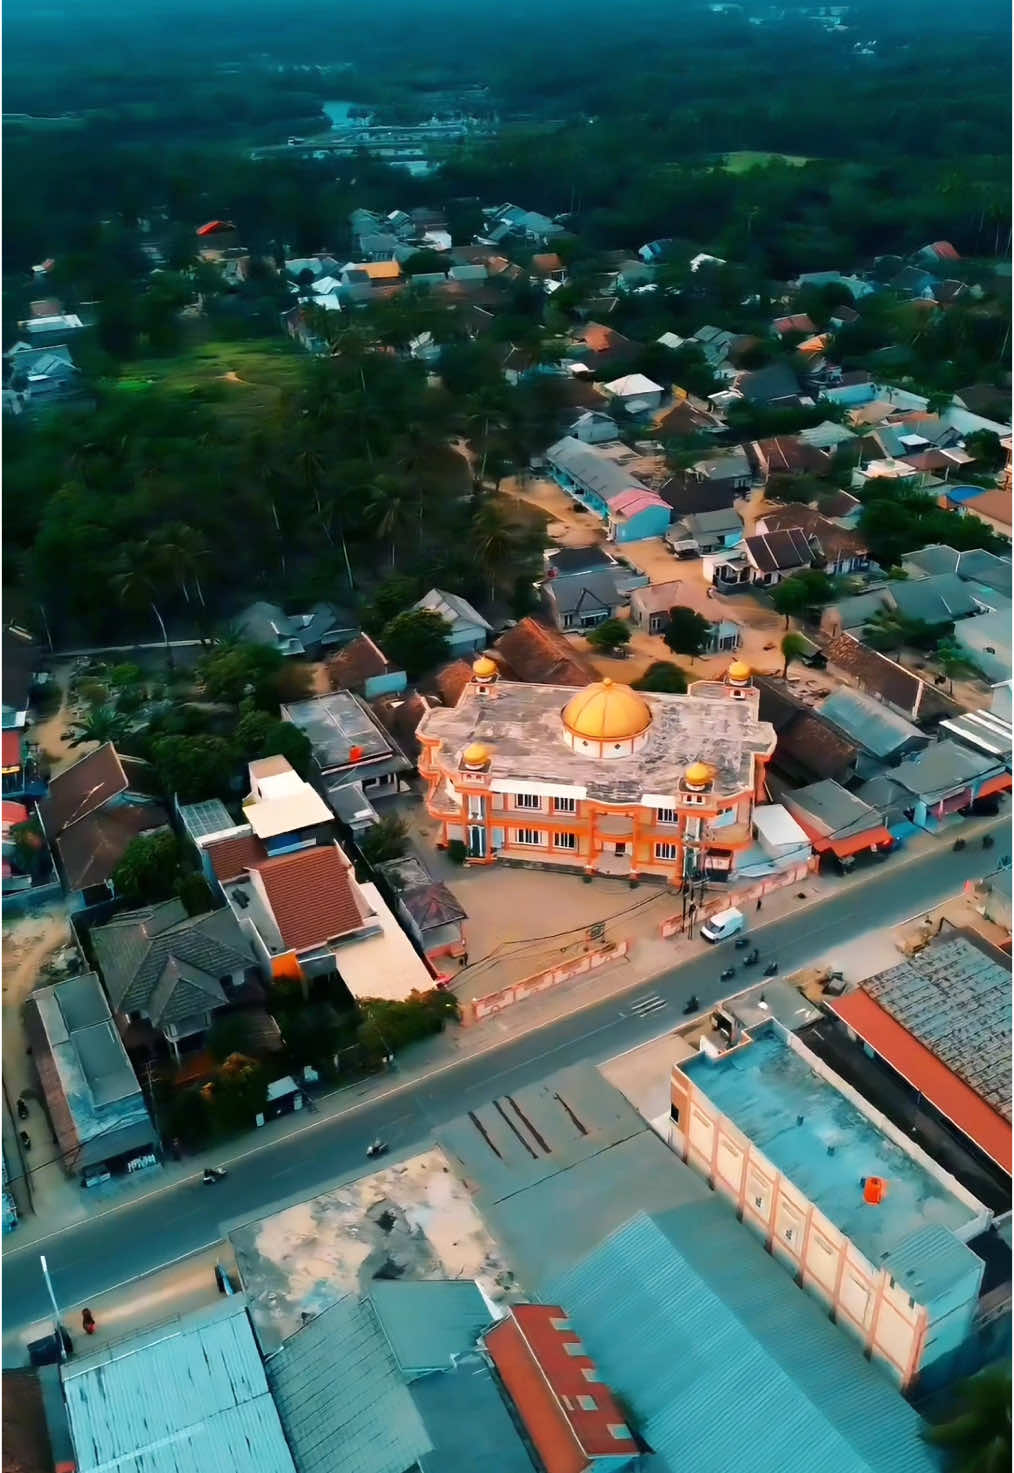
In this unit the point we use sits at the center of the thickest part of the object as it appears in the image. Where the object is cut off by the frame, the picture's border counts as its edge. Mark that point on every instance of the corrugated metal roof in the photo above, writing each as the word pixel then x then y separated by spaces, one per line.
pixel 868 722
pixel 932 1261
pixel 188 1397
pixel 428 1321
pixel 341 1397
pixel 698 1329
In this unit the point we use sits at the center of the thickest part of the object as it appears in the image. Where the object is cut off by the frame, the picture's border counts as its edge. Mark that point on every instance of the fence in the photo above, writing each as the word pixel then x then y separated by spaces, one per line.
pixel 485 1007
pixel 767 886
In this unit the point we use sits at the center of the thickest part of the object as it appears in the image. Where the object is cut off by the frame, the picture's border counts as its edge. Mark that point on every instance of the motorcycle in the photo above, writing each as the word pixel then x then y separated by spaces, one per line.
pixel 379 1148
pixel 729 972
pixel 958 845
pixel 752 958
pixel 88 1322
pixel 988 841
pixel 742 941
pixel 22 1109
pixel 212 1174
pixel 26 1140
pixel 693 1004
pixel 771 969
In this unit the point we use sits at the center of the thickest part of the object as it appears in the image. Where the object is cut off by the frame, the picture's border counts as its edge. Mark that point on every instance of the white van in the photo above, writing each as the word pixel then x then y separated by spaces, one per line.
pixel 723 925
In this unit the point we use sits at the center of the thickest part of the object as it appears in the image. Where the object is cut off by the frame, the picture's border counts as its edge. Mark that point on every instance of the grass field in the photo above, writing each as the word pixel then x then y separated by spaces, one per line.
pixel 241 379
pixel 739 163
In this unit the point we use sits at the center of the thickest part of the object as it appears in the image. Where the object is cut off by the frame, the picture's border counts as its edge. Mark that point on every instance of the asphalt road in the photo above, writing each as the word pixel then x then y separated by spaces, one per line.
pixel 170 1222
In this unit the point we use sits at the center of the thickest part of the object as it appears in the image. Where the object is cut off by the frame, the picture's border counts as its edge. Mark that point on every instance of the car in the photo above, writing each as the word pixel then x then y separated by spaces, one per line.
pixel 723 924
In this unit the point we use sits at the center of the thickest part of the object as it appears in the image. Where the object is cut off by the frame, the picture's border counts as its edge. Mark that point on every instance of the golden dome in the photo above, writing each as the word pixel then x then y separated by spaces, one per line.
pixel 484 668
pixel 739 672
pixel 698 774
pixel 606 712
pixel 476 755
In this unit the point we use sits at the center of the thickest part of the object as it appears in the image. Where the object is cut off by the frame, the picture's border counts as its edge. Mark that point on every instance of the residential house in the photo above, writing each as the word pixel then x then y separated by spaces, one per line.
pixel 376 273
pixel 887 681
pixel 592 428
pixel 841 507
pixel 938 253
pixel 788 455
pixel 466 273
pixel 630 510
pixel 582 601
pixel 469 631
pixel 772 556
pixel 94 1104
pixel 600 348
pixel 19 671
pixel 567 562
pixel 635 278
pixel 851 615
pixel 400 715
pixel 775 384
pixel 840 826
pixel 843 316
pixel 506 221
pixel 636 393
pixel 986 400
pixel 650 609
pixel 167 973
pixel 90 817
pixel 705 532
pixel 547 266
pixel 854 284
pixel 940 599
pixel 543 656
pixel 447 683
pixel 989 731
pixel 283 811
pixel 976 566
pixel 303 636
pixel 687 417
pixel 808 748
pixel 427 909
pixel 880 735
pixel 913 281
pixel 837 549
pixel 994 509
pixel 361 666
pixel 986 643
pixel 688 494
pixel 729 466
pixel 42 377
pixel 715 343
pixel 306 915
pixel 947 778
pixel 353 756
pixel 797 323
pixel 49 332
pixel 655 250
pixel 312 266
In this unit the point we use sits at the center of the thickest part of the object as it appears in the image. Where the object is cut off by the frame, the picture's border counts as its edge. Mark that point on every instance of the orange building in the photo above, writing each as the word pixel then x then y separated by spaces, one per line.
pixel 606 779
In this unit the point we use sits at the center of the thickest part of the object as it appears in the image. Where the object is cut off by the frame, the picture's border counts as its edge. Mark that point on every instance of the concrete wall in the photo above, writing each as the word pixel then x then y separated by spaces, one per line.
pixel 485 1007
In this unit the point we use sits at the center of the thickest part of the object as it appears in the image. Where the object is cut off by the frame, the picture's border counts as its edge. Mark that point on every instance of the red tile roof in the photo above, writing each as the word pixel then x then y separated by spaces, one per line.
pixel 311 896
pixel 929 1075
pixel 799 322
pixel 535 653
pixel 890 682
pixel 944 250
pixel 571 1418
pixel 230 857
pixel 356 663
pixel 449 682
pixel 11 749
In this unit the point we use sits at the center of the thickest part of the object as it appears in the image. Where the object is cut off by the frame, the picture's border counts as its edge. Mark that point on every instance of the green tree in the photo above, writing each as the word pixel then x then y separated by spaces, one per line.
pixel 687 633
pixel 148 870
pixel 100 724
pixel 189 1119
pixel 259 734
pixel 977 1437
pixel 385 840
pixel 495 542
pixel 953 661
pixel 231 1033
pixel 239 1093
pixel 236 671
pixel 392 597
pixel 663 676
pixel 793 647
pixel 986 449
pixel 394 509
pixel 798 596
pixel 416 641
pixel 611 634
pixel 193 768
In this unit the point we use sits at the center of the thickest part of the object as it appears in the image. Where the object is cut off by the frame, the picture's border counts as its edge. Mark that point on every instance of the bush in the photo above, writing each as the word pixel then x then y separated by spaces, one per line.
pixel 388 1027
pixel 189 1119
pixel 611 634
pixel 148 871
pixel 663 676
pixel 457 851
pixel 195 893
pixel 385 840
pixel 232 1033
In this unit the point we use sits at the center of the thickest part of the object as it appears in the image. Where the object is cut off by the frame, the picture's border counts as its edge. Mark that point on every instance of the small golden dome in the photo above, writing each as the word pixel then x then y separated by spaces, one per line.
pixel 484 668
pixel 607 712
pixel 739 672
pixel 476 755
pixel 698 774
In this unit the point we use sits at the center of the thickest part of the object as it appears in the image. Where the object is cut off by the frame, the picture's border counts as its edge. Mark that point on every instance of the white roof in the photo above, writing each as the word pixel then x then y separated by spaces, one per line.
pixel 633 383
pixel 329 303
pixel 705 260
pixel 671 340
pixel 776 824
pixel 189 1396
pixel 325 285
pixel 285 806
pixel 48 324
pixel 385 966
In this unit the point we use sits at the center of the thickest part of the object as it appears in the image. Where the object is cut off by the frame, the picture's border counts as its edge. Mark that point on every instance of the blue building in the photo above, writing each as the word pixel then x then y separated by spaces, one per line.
pixel 598 481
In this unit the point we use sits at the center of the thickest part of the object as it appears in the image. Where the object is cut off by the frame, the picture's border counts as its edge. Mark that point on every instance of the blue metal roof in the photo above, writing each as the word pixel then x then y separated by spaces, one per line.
pixel 931 1262
pixel 724 1363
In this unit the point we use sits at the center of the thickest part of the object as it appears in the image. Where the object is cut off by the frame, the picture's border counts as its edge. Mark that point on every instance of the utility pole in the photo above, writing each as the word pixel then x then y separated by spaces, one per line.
pixel 56 1307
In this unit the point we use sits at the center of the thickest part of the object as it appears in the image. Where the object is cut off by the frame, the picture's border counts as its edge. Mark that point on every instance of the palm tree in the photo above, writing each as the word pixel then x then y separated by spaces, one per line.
pixel 495 542
pixel 102 724
pixel 486 413
pixel 392 506
pixel 978 1437
pixel 141 579
pixel 794 647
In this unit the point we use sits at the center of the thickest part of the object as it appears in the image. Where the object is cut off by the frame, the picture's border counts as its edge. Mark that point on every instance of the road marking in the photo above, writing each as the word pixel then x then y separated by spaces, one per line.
pixel 650 1004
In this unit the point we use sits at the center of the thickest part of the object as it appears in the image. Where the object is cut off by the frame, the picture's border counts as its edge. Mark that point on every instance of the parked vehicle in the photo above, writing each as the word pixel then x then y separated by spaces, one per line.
pixel 692 1005
pixel 378 1148
pixel 723 925
pixel 211 1174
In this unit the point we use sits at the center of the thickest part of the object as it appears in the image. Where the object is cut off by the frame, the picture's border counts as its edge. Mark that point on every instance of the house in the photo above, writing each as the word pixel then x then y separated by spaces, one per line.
pixel 938 253
pixel 841 507
pixel 887 681
pixel 48 332
pixel 313 266
pixel 687 417
pixel 567 562
pixel 774 384
pixel 705 532
pixel 843 316
pixel 400 715
pixel 597 481
pixel 937 600
pixel 688 494
pixel 282 810
pixel 880 735
pixel 853 284
pixel 636 393
pixel 582 601
pixel 946 778
pixel 548 266
pixel 731 467
pixel 600 347
pixel 540 655
pixel 376 273
pixel 837 549
pixel 592 428
pixel 636 515
pixel 469 630
pixel 796 323
pixel 650 609
pixel 19 662
pixel 715 343
pixel 361 666
pixel 777 554
pixel 353 756
pixel 655 250
pixel 808 748
pixel 427 909
pixel 90 817
pixel 95 1106
pixel 167 973
pixel 912 281
pixel 303 636
pixel 986 643
pixel 975 565
pixel 788 455
pixel 447 683
pixel 838 824
pixel 986 400
pixel 994 509
pixel 850 614
pixel 306 915
pixel 42 376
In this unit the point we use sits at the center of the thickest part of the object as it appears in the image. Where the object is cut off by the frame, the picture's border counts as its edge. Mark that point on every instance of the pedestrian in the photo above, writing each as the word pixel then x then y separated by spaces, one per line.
pixel 759 902
pixel 88 1322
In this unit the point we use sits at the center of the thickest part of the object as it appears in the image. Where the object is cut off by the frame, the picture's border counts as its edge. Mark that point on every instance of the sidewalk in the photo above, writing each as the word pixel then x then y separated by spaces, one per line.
pixel 649 956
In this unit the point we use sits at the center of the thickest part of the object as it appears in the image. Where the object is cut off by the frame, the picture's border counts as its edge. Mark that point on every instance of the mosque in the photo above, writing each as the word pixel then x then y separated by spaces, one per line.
pixel 604 780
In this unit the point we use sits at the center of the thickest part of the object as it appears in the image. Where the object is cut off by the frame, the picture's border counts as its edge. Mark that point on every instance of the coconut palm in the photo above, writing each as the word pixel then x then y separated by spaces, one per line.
pixel 391 506
pixel 141 579
pixel 794 647
pixel 978 1436
pixel 495 543
pixel 101 724
pixel 485 413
